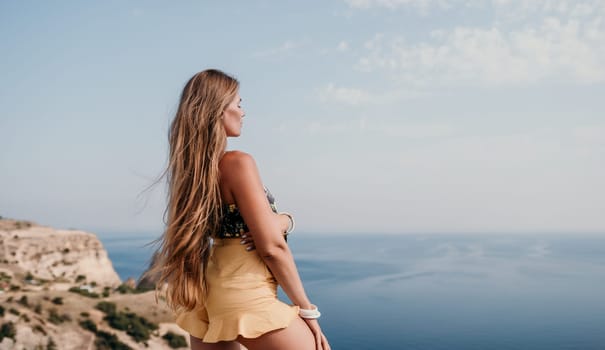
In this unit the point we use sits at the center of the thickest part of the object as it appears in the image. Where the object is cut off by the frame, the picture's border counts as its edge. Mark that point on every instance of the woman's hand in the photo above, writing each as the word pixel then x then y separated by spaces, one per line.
pixel 321 342
pixel 248 242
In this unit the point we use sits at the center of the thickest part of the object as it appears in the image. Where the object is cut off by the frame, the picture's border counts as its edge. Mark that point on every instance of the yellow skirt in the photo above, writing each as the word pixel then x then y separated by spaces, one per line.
pixel 242 297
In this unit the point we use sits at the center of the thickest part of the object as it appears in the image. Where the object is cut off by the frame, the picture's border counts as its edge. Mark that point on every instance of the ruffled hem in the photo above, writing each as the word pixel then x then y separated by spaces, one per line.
pixel 252 323
pixel 194 322
pixel 249 324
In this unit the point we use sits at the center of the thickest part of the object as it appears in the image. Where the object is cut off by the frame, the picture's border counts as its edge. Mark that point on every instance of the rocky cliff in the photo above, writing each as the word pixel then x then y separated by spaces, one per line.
pixel 55 255
pixel 58 290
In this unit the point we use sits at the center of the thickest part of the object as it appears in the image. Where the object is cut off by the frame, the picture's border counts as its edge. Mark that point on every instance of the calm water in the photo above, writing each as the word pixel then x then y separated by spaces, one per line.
pixel 431 291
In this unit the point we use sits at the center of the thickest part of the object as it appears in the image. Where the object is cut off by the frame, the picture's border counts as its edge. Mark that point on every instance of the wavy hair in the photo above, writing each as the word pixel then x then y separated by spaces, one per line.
pixel 197 140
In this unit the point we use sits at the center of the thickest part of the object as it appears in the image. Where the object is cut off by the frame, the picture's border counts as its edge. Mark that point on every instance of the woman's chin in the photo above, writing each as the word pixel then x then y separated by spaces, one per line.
pixel 234 133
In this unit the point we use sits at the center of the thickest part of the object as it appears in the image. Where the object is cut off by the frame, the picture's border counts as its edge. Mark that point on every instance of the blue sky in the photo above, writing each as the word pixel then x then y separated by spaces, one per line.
pixel 363 116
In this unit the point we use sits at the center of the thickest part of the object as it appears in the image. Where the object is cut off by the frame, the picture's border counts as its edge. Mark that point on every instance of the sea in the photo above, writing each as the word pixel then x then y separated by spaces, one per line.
pixel 440 291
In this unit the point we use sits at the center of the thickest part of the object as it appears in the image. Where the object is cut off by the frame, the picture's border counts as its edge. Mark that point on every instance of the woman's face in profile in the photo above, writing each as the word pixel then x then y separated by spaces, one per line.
pixel 232 117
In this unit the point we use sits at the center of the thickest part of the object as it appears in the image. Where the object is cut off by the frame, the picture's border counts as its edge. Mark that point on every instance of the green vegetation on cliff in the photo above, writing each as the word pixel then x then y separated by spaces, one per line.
pixel 139 328
pixel 174 340
pixel 8 330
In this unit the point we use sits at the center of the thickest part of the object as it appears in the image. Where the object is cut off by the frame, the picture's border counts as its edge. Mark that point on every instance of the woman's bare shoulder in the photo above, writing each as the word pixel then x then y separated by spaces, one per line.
pixel 233 157
pixel 234 162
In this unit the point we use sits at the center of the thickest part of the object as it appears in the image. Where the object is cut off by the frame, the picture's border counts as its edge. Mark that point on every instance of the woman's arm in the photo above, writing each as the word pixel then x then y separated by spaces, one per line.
pixel 284 222
pixel 266 227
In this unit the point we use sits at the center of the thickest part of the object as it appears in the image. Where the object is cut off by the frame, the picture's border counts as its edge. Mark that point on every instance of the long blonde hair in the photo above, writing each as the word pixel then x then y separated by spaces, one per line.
pixel 197 141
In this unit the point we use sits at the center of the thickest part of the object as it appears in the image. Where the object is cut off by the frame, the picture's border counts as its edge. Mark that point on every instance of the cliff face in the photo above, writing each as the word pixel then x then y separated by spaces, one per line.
pixel 57 288
pixel 55 255
pixel 149 280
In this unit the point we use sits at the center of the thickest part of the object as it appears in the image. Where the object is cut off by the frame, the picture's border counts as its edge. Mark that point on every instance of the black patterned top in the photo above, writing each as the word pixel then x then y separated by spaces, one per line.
pixel 233 224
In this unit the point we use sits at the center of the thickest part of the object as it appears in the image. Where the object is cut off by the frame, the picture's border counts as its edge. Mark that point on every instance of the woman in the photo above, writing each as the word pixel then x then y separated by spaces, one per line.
pixel 224 251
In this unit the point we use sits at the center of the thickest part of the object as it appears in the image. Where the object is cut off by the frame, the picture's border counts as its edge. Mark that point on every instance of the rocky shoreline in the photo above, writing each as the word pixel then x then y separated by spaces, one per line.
pixel 59 290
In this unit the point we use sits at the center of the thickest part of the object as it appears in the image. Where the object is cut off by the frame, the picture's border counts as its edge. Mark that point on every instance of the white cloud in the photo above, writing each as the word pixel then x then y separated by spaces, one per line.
pixel 346 95
pixel 524 10
pixel 422 6
pixel 528 41
pixel 511 9
pixel 553 49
